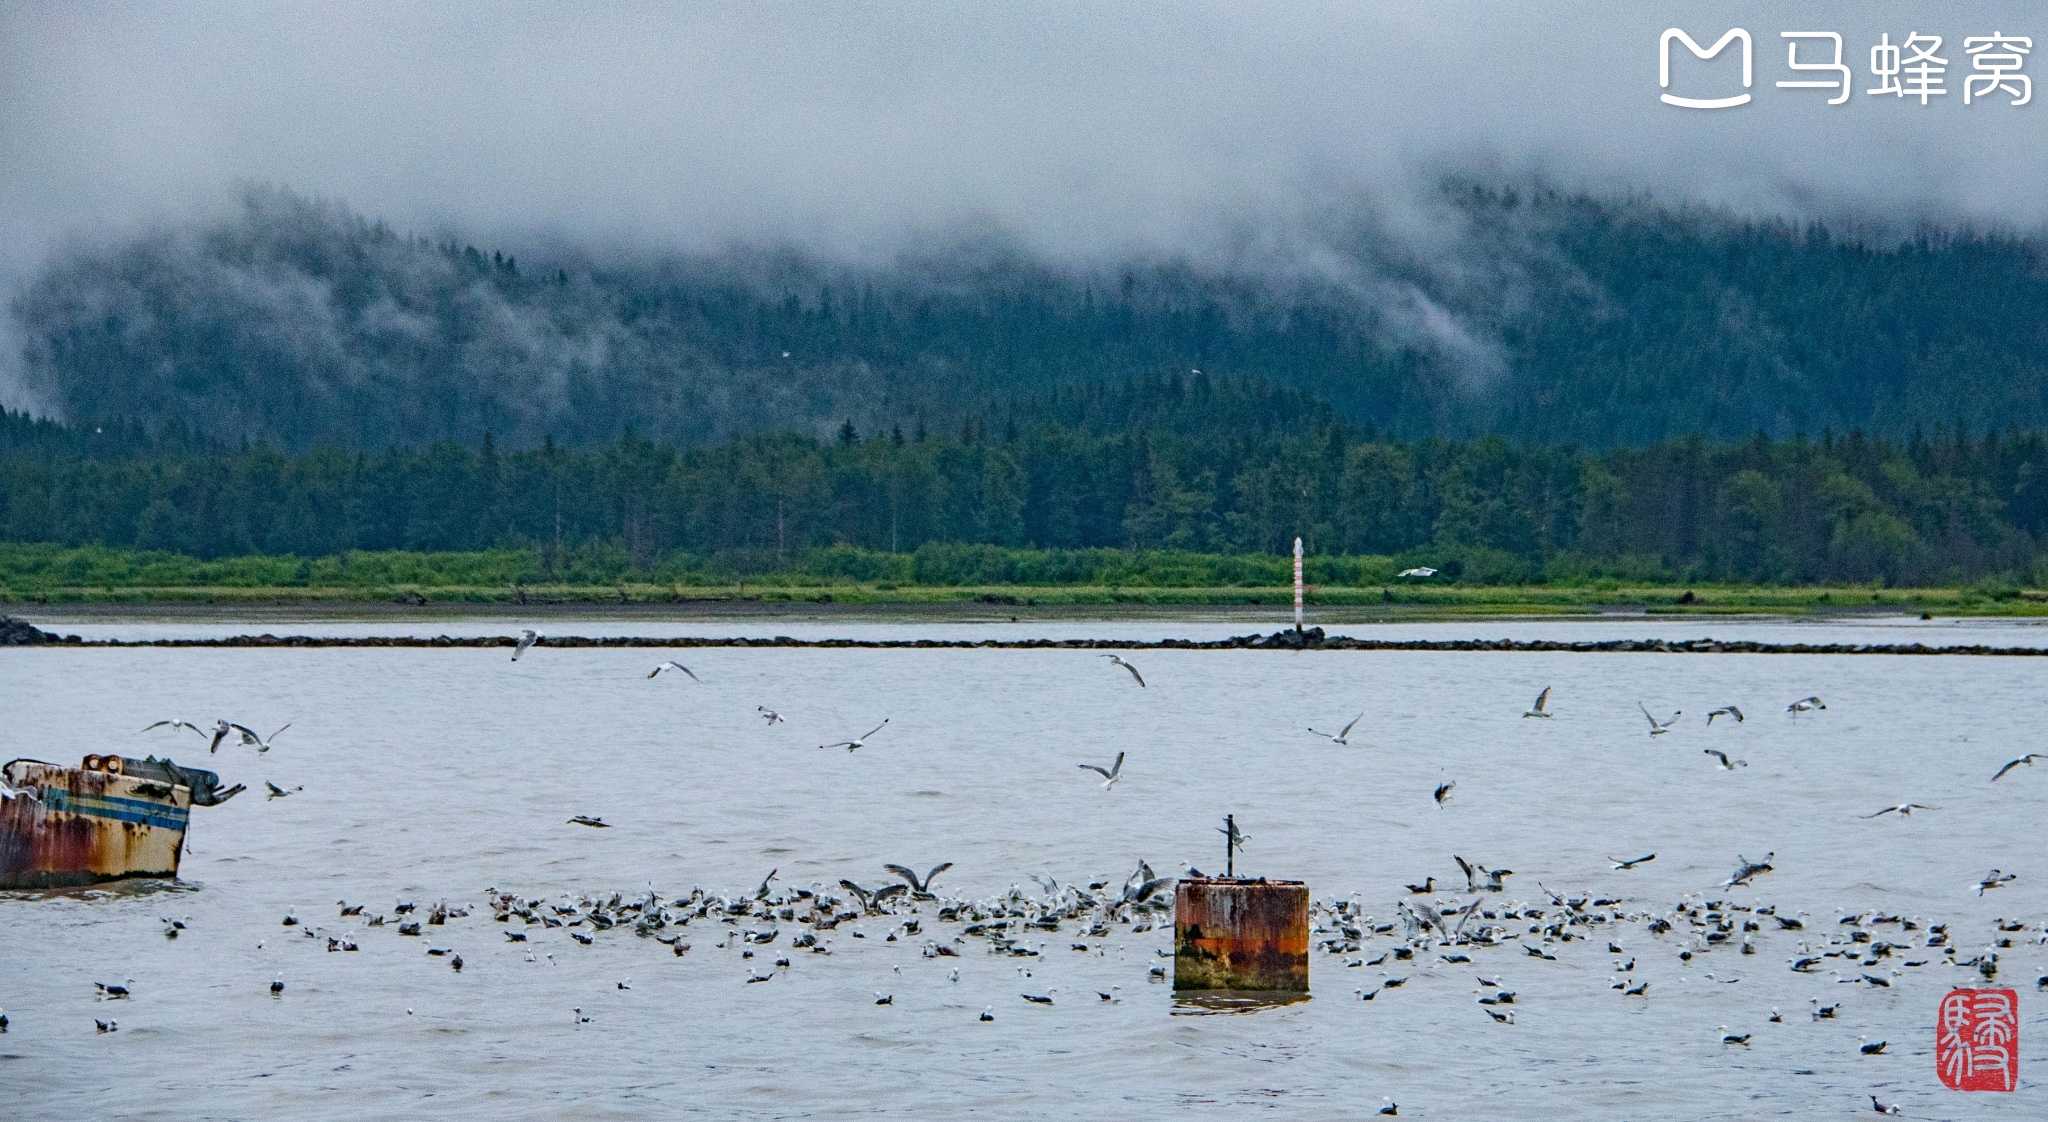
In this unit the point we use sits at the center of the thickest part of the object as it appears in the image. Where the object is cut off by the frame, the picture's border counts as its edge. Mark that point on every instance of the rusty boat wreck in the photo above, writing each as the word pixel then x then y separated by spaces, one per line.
pixel 109 818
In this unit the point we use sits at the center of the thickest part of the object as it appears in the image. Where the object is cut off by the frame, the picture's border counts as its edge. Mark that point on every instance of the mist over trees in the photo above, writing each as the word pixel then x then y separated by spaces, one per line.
pixel 1545 318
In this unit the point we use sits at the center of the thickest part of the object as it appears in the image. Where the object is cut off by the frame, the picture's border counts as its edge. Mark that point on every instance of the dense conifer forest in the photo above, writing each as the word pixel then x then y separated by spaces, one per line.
pixel 1931 509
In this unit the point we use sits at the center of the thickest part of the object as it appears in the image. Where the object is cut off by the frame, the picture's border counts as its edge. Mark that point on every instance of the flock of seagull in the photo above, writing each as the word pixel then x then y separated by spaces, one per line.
pixel 1430 937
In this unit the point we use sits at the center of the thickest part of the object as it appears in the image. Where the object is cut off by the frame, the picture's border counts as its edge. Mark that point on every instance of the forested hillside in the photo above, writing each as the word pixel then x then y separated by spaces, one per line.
pixel 1799 511
pixel 1544 318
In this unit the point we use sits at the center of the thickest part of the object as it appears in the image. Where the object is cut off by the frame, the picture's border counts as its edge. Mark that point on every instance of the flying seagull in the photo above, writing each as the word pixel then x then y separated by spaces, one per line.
pixel 262 743
pixel 1418 571
pixel 1804 705
pixel 858 742
pixel 920 889
pixel 1659 728
pixel 1443 791
pixel 176 724
pixel 527 637
pixel 586 820
pixel 771 716
pixel 1725 763
pixel 1110 774
pixel 9 791
pixel 1725 711
pixel 1117 660
pixel 1749 870
pixel 1537 709
pixel 1631 863
pixel 1904 810
pixel 672 665
pixel 221 728
pixel 277 792
pixel 2027 759
pixel 1994 879
pixel 1344 737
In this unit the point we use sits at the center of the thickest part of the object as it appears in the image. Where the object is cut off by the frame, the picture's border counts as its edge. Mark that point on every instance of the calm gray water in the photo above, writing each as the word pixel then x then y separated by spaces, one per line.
pixel 431 774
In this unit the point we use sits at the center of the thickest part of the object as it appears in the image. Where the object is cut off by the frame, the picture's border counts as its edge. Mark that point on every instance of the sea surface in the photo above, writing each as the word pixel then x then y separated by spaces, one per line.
pixel 446 773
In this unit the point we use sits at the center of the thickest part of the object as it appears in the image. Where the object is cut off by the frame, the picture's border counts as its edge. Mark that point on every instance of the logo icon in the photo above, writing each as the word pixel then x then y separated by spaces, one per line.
pixel 1664 68
pixel 1977 1040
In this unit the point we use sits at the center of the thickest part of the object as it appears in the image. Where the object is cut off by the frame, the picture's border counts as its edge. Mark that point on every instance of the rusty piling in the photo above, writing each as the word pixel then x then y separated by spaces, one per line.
pixel 1234 933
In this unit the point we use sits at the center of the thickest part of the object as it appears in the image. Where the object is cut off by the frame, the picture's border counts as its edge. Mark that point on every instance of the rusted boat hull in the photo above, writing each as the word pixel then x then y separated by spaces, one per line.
pixel 73 826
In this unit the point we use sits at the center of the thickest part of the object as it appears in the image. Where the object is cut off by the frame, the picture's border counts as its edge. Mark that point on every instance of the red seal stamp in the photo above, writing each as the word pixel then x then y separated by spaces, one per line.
pixel 1977 1040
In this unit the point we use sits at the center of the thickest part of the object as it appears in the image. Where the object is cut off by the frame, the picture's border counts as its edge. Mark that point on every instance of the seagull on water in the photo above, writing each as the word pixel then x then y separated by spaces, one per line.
pixel 1631 863
pixel 1110 774
pixel 1537 709
pixel 1883 1108
pixel 1659 728
pixel 2027 759
pixel 771 716
pixel 1725 711
pixel 1344 737
pixel 858 742
pixel 176 724
pixel 673 665
pixel 1867 1048
pixel 1725 763
pixel 260 743
pixel 1117 660
pixel 1903 810
pixel 527 637
pixel 920 888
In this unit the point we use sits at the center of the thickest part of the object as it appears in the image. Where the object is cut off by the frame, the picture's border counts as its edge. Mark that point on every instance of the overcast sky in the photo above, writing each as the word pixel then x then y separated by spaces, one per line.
pixel 1082 129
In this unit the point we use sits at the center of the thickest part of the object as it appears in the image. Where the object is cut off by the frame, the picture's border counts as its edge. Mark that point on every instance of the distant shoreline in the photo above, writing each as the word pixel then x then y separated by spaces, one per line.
pixel 1344 604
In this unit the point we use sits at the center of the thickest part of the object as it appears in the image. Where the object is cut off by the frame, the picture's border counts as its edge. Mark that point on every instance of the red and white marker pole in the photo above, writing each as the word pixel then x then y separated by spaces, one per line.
pixel 1297 584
